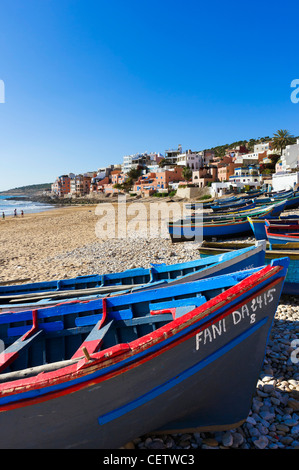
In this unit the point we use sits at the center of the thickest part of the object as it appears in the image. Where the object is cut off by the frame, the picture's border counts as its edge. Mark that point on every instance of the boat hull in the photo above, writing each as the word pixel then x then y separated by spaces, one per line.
pixel 198 230
pixel 258 225
pixel 233 207
pixel 195 375
pixel 283 239
pixel 192 232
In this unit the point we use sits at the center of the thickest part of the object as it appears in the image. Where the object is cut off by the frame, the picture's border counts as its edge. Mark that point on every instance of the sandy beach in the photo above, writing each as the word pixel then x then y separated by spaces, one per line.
pixel 37 246
pixel 28 242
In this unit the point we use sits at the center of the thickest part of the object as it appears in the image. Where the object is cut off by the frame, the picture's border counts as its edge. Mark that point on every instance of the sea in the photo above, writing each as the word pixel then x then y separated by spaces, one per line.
pixel 8 205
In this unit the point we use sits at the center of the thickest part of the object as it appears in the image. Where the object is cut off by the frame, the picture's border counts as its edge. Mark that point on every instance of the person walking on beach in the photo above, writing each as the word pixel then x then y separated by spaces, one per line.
pixel 22 213
pixel 3 215
pixel 15 213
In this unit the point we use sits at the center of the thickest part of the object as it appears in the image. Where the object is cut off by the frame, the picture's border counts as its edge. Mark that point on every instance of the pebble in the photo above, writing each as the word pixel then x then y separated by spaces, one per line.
pixel 273 421
pixel 227 439
pixel 261 443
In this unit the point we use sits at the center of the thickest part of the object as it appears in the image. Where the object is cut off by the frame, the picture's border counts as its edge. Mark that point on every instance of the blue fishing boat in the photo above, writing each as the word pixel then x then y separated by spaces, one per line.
pixel 291 285
pixel 281 194
pixel 275 210
pixel 258 225
pixel 188 229
pixel 253 193
pixel 225 200
pixel 234 202
pixel 233 207
pixel 199 205
pixel 99 374
pixel 14 297
pixel 279 207
pixel 288 240
pixel 292 200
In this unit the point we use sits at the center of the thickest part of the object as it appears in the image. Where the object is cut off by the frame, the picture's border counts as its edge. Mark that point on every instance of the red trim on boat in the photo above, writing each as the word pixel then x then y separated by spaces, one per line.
pixel 123 351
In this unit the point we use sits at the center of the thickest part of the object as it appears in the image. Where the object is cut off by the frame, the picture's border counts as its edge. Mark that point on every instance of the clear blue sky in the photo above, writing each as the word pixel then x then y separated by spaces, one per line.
pixel 87 82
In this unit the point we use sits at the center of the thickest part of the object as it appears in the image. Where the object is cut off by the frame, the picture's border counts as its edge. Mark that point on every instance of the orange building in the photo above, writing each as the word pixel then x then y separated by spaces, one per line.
pixel 61 186
pixel 159 180
pixel 97 186
pixel 226 170
pixel 205 175
pixel 82 185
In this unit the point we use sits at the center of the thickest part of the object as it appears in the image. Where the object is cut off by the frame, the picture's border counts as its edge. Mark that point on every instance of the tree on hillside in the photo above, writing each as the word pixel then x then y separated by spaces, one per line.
pixel 134 173
pixel 162 162
pixel 187 173
pixel 281 139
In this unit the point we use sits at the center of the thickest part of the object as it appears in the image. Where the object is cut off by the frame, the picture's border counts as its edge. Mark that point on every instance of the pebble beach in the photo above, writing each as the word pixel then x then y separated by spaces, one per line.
pixel 64 243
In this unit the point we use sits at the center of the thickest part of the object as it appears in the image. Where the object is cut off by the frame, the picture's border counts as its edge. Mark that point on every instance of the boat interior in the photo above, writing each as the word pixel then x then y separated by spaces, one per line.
pixel 34 340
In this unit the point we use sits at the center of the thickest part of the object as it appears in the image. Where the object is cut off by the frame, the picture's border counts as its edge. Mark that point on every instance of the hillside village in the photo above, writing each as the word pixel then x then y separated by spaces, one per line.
pixel 242 166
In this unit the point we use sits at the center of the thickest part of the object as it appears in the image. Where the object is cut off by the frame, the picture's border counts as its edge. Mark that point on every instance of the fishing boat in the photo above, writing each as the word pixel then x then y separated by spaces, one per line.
pixel 292 200
pixel 281 194
pixel 291 285
pixel 271 211
pixel 225 200
pixel 279 207
pixel 288 240
pixel 19 296
pixel 197 229
pixel 99 374
pixel 253 193
pixel 258 225
pixel 208 203
pixel 284 226
pixel 234 208
pixel 231 206
pixel 236 202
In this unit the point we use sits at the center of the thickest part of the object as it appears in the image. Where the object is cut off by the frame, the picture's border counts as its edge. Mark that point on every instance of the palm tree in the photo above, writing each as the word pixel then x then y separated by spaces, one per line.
pixel 187 173
pixel 281 139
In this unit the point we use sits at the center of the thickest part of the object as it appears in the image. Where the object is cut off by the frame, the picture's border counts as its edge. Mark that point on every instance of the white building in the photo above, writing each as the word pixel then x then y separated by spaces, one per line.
pixel 247 159
pixel 285 181
pixel 246 176
pixel 219 189
pixel 190 159
pixel 171 155
pixel 193 160
pixel 129 160
pixel 290 157
pixel 142 160
pixel 263 147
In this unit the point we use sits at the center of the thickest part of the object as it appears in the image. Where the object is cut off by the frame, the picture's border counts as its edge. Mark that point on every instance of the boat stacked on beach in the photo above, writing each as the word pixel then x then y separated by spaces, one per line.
pixel 229 217
pixel 279 231
pixel 96 361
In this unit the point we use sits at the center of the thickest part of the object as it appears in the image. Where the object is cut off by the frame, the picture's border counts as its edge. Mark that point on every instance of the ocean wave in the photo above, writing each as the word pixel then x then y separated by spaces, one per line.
pixel 8 206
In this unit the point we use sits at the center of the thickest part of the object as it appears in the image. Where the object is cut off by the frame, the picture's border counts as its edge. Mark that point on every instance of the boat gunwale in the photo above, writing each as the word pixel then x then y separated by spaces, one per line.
pixel 119 353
